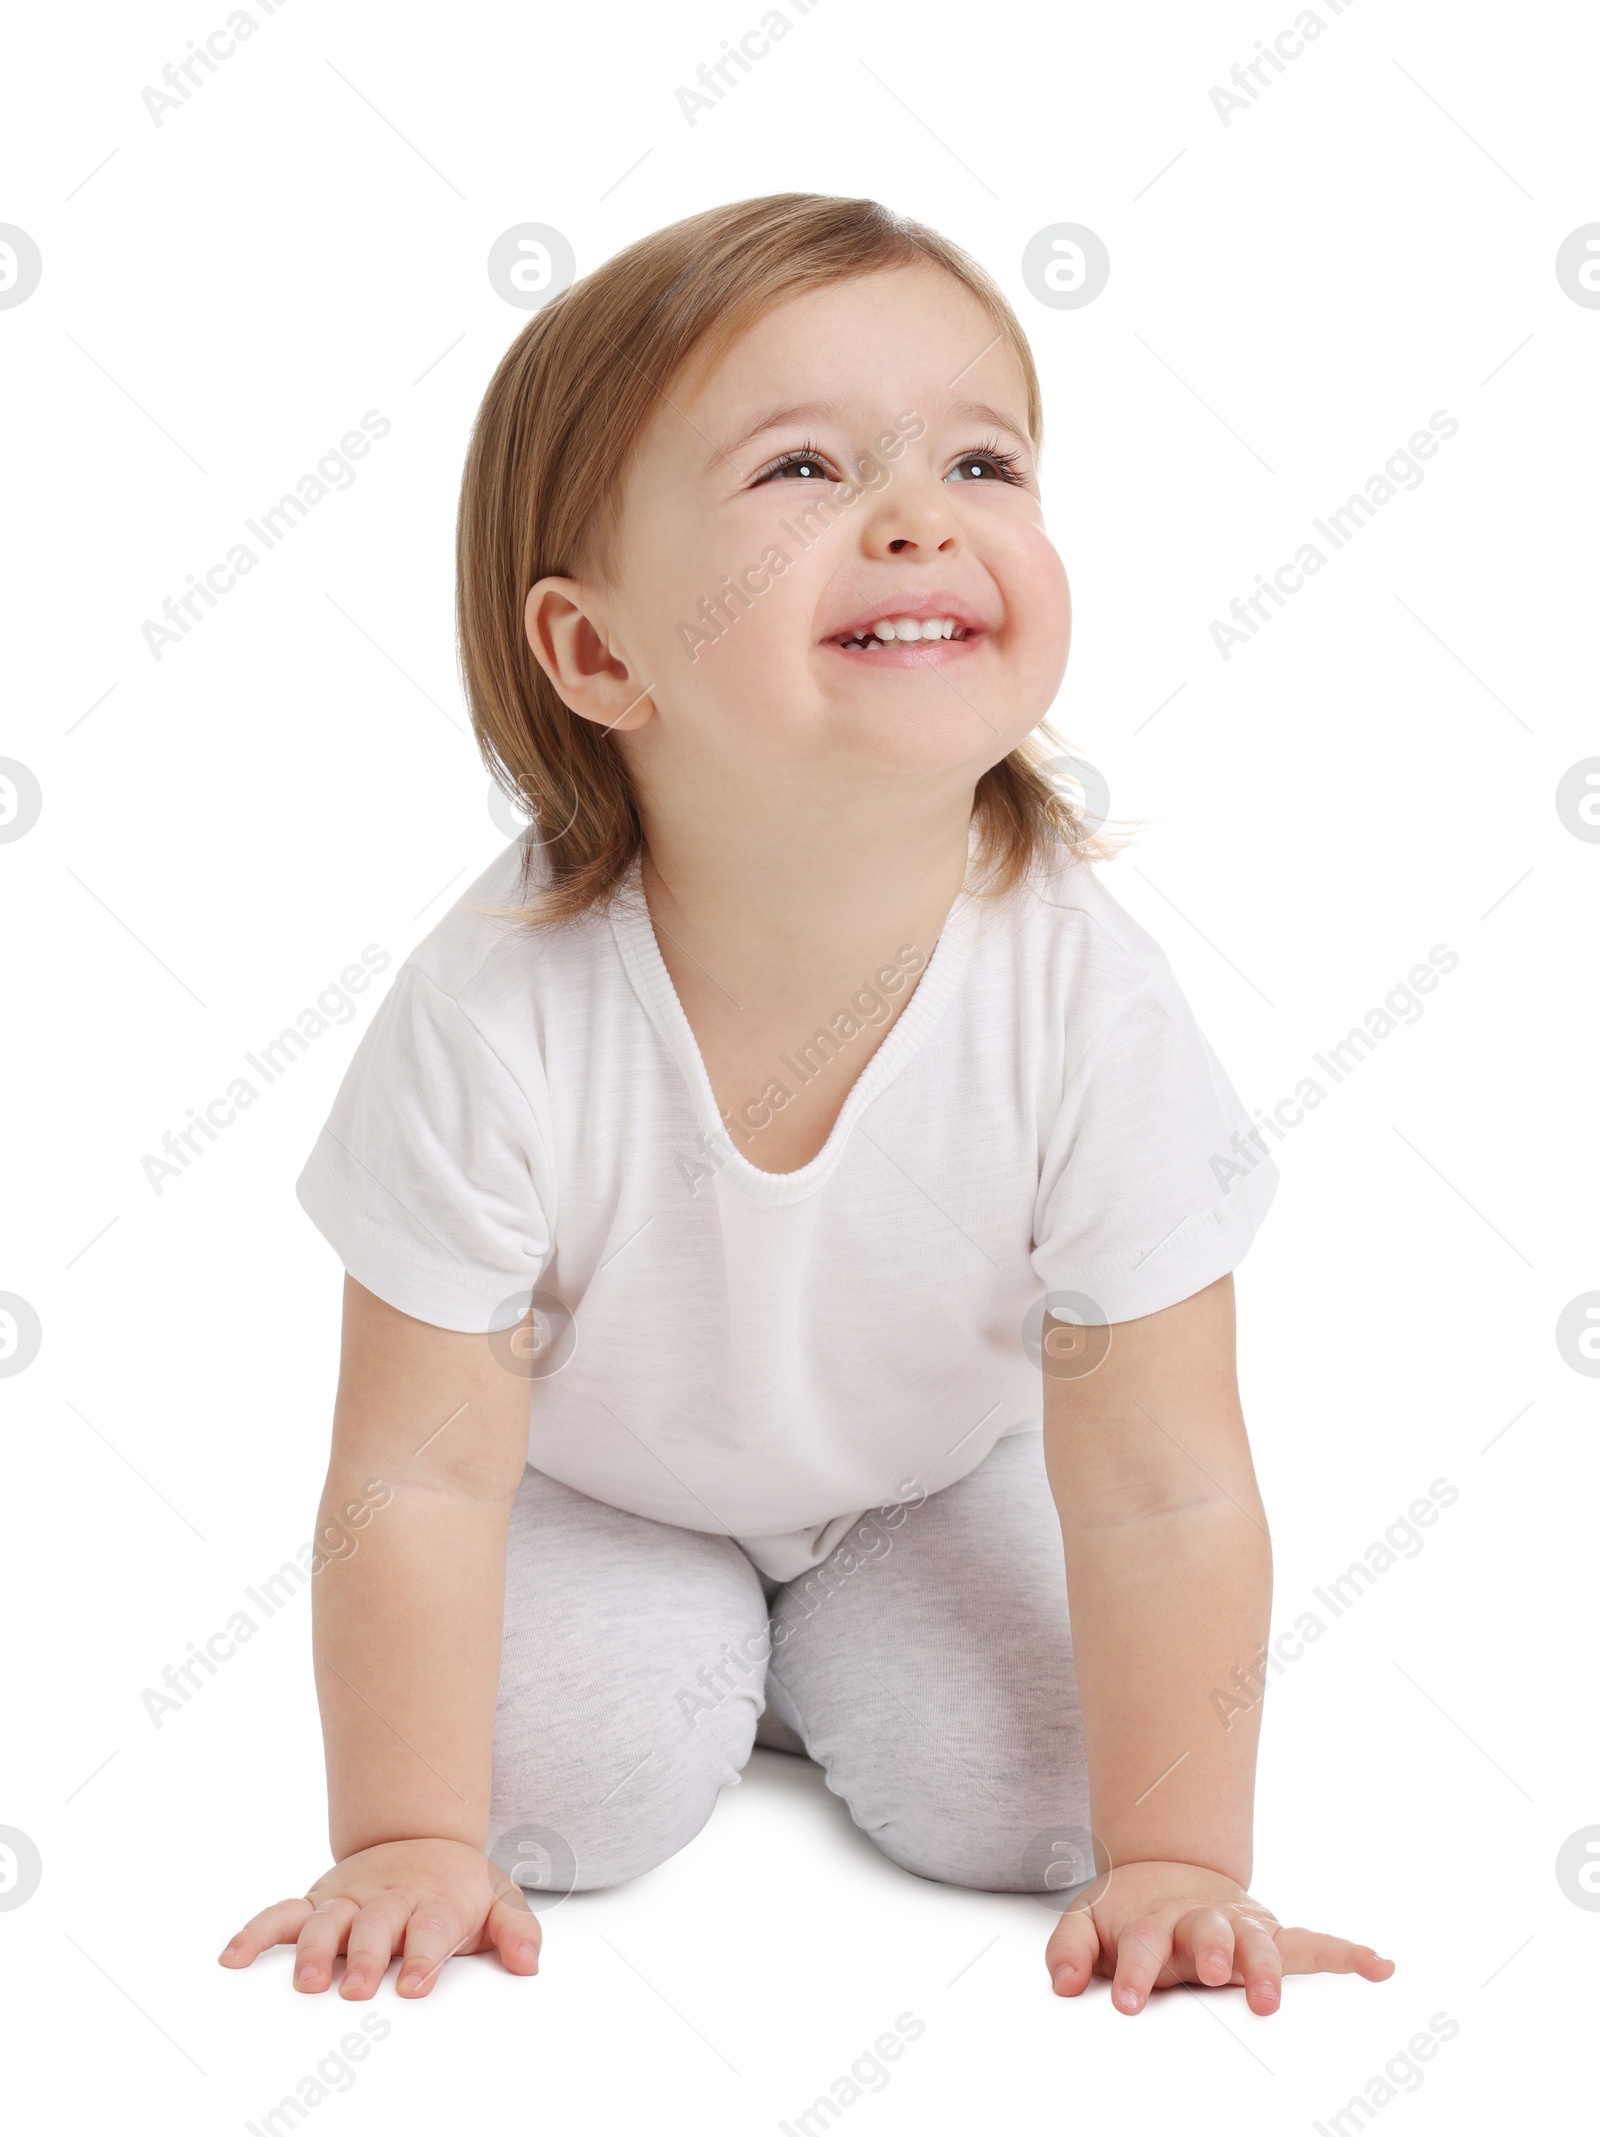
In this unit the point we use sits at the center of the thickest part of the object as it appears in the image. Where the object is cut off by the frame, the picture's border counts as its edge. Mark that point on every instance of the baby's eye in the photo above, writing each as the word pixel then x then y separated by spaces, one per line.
pixel 988 465
pixel 803 464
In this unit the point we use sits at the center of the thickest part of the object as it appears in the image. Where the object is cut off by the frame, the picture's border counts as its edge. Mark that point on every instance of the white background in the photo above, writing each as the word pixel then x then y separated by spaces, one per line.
pixel 1291 296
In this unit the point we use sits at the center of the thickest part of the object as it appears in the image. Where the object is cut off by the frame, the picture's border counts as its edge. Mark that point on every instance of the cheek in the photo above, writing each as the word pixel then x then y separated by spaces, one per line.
pixel 735 667
pixel 767 616
pixel 1038 594
pixel 764 618
pixel 1038 600
pixel 689 587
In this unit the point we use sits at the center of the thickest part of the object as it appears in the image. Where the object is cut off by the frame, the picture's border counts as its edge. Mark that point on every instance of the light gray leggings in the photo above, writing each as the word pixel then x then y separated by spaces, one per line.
pixel 926 1666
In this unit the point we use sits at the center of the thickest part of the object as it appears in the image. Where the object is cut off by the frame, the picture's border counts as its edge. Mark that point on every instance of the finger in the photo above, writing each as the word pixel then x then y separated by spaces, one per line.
pixel 1071 1953
pixel 376 1931
pixel 433 1934
pixel 1258 1963
pixel 273 1925
pixel 320 1941
pixel 1203 1942
pixel 1143 1949
pixel 1309 1951
pixel 514 1931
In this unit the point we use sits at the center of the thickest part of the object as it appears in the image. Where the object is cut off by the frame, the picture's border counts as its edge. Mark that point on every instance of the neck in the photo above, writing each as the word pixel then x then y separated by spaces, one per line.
pixel 770 887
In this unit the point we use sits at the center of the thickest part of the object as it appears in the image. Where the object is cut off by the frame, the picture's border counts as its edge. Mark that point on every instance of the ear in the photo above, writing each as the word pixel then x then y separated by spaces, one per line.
pixel 563 621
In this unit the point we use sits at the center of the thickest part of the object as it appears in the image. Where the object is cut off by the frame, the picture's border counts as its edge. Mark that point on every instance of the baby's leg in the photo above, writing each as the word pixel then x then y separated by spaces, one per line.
pixel 630 1681
pixel 935 1684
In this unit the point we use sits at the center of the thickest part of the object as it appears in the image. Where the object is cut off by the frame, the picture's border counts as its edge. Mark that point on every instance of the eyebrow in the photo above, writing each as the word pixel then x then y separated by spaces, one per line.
pixel 773 419
pixel 985 414
pixel 778 418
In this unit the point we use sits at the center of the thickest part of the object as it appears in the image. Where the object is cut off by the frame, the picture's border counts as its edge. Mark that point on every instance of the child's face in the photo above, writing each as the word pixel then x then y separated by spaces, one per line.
pixel 905 394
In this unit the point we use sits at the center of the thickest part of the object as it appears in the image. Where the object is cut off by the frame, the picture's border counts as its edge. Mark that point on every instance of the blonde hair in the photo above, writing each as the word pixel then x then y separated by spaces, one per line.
pixel 541 494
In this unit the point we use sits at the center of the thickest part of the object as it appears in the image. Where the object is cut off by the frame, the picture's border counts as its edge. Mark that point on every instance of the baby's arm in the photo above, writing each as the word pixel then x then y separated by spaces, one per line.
pixel 407 1634
pixel 1169 1578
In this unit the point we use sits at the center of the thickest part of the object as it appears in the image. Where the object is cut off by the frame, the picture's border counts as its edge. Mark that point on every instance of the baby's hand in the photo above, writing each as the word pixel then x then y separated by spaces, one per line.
pixel 1158 1923
pixel 427 1898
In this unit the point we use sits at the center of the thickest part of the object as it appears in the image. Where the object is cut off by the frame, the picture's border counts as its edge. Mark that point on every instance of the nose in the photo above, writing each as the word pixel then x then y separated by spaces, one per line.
pixel 913 519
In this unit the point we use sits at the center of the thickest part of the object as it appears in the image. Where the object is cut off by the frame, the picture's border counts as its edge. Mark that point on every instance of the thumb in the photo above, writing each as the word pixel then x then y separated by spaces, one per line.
pixel 513 1928
pixel 1071 1953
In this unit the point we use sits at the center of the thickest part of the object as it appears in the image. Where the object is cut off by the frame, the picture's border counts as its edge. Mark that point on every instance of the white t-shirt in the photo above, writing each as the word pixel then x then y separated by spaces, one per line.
pixel 528 1119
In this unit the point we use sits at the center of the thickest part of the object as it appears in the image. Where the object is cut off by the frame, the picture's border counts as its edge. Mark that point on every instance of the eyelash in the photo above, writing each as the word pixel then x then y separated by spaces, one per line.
pixel 1005 463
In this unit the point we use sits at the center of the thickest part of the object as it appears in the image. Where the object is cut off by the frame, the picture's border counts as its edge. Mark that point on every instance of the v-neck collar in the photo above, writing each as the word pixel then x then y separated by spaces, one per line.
pixel 641 956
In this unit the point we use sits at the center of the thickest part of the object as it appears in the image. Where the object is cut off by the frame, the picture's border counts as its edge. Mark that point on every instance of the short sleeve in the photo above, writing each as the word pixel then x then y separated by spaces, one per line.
pixel 426 1178
pixel 1154 1176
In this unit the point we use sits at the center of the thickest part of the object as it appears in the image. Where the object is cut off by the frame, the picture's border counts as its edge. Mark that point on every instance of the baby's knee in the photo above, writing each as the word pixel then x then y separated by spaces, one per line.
pixel 586 1816
pixel 999 1840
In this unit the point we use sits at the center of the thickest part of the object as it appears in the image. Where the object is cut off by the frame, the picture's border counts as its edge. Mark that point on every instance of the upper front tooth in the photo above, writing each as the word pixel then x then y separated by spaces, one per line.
pixel 909 627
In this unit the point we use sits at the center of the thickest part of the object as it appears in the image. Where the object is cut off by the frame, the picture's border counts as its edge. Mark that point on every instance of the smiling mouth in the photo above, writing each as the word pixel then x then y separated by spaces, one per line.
pixel 897 631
